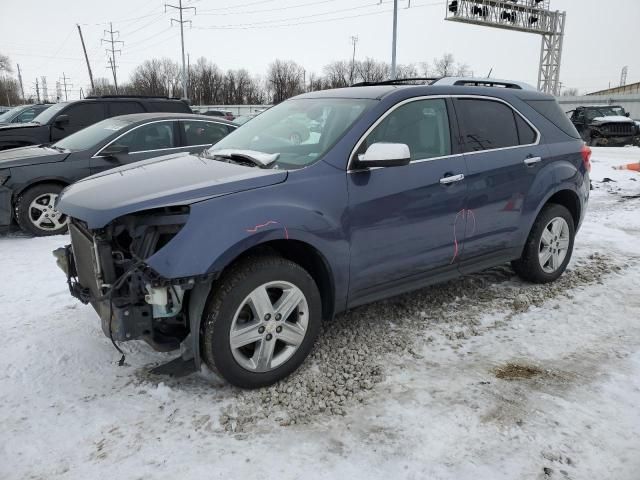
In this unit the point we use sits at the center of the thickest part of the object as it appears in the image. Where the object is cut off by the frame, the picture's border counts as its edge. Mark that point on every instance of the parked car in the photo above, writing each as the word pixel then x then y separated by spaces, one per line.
pixel 219 113
pixel 23 113
pixel 65 118
pixel 604 125
pixel 31 178
pixel 235 256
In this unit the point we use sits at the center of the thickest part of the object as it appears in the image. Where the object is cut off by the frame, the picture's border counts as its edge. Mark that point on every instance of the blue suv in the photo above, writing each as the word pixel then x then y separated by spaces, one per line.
pixel 235 255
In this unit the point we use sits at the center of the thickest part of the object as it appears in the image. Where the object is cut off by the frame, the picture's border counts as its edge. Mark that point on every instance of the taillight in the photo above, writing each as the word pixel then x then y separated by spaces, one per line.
pixel 586 157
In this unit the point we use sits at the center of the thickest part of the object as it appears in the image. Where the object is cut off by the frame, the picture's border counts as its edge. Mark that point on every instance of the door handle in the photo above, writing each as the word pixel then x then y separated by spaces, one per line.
pixel 451 179
pixel 532 161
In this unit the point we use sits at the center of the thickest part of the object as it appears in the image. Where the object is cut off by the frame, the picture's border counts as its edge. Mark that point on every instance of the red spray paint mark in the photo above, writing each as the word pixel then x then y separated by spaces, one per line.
pixel 465 214
pixel 255 229
pixel 266 224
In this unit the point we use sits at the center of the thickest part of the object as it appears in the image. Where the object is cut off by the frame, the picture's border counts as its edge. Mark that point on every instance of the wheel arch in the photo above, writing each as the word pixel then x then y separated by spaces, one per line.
pixel 40 181
pixel 568 199
pixel 300 252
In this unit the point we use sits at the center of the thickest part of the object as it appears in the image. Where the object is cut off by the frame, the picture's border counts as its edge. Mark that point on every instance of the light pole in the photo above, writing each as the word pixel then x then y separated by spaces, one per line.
pixel 395 39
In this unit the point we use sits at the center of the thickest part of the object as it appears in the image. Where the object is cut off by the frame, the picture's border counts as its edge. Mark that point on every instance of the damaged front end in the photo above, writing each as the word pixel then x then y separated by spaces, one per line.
pixel 106 267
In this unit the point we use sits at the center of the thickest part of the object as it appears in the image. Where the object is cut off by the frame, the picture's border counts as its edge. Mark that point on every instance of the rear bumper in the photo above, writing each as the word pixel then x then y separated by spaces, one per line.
pixel 5 206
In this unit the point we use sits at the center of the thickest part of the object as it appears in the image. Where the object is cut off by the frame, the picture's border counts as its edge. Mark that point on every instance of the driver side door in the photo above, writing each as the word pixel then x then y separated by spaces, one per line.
pixel 407 224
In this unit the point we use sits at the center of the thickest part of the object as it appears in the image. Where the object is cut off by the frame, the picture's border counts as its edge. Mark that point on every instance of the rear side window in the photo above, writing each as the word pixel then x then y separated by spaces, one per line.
pixel 550 110
pixel 526 134
pixel 124 108
pixel 423 125
pixel 486 124
pixel 175 106
pixel 203 133
pixel 84 114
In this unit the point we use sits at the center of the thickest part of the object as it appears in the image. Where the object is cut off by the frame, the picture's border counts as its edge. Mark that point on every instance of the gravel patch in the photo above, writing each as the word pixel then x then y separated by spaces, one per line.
pixel 349 357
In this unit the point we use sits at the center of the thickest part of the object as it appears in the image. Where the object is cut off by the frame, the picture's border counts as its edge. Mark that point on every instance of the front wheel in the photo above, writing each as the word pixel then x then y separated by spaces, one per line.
pixel 261 321
pixel 35 211
pixel 549 246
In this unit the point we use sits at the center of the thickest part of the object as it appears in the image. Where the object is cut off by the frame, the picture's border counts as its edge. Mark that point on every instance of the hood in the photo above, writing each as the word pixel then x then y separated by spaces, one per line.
pixel 612 119
pixel 178 179
pixel 13 126
pixel 19 157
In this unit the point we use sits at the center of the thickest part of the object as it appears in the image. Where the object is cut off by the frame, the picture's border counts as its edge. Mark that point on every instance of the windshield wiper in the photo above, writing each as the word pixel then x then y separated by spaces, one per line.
pixel 258 159
pixel 59 149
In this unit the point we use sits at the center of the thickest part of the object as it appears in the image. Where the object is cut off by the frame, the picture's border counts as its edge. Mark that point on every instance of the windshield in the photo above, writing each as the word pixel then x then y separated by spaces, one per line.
pixel 299 130
pixel 49 113
pixel 9 114
pixel 93 135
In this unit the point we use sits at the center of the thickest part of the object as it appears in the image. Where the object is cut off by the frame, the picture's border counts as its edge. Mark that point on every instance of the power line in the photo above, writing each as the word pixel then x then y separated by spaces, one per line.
pixel 277 24
pixel 267 10
pixel 238 6
pixel 65 85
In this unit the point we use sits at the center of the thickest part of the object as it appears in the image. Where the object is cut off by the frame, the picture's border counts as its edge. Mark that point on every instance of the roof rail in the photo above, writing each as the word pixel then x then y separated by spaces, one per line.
pixel 483 82
pixel 397 81
pixel 134 96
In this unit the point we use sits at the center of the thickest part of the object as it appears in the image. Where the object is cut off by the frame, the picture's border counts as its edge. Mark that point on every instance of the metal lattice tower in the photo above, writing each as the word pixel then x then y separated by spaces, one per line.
pixel 529 16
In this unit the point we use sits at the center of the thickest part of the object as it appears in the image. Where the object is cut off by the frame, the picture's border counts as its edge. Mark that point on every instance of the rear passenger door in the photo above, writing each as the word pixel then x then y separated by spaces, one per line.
pixel 124 108
pixel 503 157
pixel 200 134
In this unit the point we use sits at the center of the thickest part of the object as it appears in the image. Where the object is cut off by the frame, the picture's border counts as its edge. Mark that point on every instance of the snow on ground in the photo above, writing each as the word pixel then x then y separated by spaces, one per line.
pixel 485 377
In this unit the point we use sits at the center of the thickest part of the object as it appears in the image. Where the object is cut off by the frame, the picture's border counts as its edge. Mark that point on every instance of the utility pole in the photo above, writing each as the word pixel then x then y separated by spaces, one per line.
pixel 37 90
pixel 395 39
pixel 20 80
pixel 354 40
pixel 86 57
pixel 112 61
pixel 180 8
pixel 65 84
pixel 45 93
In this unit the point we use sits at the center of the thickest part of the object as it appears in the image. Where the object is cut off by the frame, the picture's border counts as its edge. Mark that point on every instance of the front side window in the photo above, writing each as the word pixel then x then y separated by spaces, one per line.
pixel 153 136
pixel 423 125
pixel 93 135
pixel 300 130
pixel 486 124
pixel 203 133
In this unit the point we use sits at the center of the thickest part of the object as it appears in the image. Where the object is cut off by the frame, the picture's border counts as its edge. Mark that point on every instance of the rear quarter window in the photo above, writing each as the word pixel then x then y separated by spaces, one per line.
pixel 550 110
pixel 169 106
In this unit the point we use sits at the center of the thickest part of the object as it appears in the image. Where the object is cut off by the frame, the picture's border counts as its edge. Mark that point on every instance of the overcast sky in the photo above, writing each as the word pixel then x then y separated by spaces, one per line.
pixel 602 37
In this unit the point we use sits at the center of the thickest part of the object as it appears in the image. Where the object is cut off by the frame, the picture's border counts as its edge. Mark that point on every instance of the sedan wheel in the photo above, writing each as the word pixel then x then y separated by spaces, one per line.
pixel 43 215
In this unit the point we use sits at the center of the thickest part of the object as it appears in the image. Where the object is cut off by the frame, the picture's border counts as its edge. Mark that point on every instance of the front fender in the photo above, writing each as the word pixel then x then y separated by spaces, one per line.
pixel 306 208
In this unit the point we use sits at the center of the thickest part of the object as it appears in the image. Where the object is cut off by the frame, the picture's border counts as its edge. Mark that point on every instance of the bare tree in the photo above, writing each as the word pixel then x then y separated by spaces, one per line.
pixel 337 74
pixel 285 79
pixel 370 70
pixel 445 65
pixel 570 92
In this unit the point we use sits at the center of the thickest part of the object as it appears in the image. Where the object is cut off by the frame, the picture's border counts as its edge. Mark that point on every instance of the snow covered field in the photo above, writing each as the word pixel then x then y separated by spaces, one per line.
pixel 482 378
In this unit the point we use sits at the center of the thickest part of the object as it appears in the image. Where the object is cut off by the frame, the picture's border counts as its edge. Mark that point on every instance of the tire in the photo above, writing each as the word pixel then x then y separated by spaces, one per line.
pixel 230 309
pixel 34 211
pixel 532 266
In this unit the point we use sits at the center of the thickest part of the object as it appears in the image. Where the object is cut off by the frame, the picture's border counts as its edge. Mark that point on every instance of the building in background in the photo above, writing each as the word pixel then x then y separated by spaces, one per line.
pixel 621 90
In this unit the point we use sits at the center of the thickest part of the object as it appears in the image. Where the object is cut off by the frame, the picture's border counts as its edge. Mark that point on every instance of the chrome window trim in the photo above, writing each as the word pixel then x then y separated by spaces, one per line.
pixel 436 97
pixel 97 154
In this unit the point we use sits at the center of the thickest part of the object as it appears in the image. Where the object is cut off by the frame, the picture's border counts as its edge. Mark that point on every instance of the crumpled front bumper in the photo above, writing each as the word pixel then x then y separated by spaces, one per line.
pixel 5 206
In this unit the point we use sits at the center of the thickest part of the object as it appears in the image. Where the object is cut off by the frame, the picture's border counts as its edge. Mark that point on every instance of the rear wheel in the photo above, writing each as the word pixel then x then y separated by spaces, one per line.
pixel 35 211
pixel 261 322
pixel 549 246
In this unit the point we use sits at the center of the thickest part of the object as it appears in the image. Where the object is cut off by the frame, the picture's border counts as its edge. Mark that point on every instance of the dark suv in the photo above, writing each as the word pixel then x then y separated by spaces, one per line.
pixel 235 256
pixel 63 119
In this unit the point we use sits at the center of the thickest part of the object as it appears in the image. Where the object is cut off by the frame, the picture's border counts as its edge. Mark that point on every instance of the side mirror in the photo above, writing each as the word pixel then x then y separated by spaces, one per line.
pixel 385 155
pixel 61 121
pixel 627 114
pixel 114 150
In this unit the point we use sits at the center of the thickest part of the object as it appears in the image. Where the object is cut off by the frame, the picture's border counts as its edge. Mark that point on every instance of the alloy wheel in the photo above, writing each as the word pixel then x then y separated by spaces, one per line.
pixel 554 245
pixel 269 326
pixel 43 215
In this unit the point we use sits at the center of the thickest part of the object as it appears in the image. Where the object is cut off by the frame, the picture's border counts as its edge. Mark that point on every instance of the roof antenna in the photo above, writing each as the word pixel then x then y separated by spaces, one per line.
pixel 490 72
